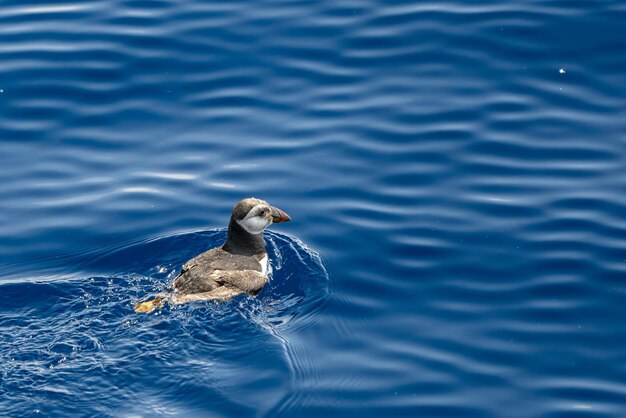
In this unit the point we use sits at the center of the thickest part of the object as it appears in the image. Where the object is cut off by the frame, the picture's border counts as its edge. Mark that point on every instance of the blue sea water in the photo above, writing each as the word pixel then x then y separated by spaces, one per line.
pixel 455 171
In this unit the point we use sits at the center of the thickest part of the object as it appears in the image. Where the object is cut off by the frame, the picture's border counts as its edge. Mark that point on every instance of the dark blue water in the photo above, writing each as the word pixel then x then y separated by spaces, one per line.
pixel 456 175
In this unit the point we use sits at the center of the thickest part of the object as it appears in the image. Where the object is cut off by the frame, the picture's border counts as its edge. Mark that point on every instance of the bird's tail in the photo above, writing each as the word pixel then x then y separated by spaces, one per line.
pixel 152 304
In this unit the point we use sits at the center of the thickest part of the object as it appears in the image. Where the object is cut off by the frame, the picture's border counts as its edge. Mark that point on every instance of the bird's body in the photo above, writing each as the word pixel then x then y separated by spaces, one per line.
pixel 239 266
pixel 217 267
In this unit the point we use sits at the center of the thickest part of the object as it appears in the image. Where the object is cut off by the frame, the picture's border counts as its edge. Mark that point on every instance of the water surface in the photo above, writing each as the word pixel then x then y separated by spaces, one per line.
pixel 454 171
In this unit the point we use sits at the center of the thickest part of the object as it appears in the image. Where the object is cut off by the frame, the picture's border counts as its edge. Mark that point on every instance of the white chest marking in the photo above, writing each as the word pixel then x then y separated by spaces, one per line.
pixel 264 264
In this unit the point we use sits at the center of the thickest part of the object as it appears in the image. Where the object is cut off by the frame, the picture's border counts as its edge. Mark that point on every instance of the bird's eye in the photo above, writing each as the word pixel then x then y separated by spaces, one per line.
pixel 262 212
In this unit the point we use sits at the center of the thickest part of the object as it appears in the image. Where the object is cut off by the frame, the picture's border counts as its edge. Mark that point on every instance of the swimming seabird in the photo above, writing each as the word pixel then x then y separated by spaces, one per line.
pixel 239 266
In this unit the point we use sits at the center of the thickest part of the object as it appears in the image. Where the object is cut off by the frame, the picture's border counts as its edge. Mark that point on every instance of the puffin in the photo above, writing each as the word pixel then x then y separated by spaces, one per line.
pixel 238 266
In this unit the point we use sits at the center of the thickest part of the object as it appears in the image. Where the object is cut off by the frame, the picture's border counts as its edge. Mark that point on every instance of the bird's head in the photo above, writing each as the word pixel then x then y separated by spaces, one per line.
pixel 255 215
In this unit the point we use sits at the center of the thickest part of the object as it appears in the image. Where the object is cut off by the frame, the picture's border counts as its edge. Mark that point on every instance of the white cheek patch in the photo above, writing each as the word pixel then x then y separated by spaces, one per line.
pixel 254 224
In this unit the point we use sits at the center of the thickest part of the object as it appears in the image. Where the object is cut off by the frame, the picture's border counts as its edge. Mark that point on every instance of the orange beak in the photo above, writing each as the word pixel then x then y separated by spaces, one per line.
pixel 279 216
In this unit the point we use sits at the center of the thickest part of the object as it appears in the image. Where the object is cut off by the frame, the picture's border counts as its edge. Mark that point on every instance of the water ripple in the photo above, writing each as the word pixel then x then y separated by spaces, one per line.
pixel 459 166
pixel 87 326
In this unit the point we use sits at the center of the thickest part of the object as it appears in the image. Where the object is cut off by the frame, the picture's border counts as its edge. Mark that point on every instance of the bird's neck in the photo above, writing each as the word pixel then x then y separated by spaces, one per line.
pixel 239 241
